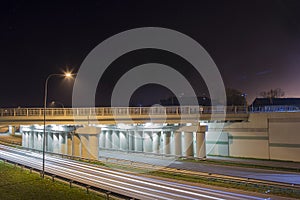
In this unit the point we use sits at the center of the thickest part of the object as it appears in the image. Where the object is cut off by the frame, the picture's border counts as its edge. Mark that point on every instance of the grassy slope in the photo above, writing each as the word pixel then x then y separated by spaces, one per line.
pixel 20 184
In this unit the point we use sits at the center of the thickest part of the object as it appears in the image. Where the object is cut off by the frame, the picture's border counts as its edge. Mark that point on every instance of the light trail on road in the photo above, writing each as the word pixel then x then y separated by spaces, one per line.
pixel 128 184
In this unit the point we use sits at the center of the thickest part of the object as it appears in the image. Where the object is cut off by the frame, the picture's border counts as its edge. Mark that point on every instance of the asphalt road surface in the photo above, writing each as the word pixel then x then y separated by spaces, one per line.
pixel 134 186
pixel 252 173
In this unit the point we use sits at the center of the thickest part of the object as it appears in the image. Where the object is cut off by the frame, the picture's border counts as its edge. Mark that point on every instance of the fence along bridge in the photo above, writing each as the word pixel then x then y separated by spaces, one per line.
pixel 107 115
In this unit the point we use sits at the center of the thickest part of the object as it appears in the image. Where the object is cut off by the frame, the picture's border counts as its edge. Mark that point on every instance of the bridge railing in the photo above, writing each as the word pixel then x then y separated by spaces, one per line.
pixel 109 111
pixel 281 108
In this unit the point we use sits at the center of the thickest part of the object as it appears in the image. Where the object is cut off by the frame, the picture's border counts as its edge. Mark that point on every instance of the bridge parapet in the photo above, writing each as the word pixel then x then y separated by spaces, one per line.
pixel 169 114
pixel 106 111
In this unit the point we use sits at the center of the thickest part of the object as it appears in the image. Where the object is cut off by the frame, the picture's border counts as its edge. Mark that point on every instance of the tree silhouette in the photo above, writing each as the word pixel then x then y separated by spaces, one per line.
pixel 273 93
pixel 235 97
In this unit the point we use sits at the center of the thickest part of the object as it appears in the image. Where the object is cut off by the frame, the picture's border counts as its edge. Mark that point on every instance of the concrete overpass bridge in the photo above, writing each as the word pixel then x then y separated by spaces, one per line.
pixel 189 131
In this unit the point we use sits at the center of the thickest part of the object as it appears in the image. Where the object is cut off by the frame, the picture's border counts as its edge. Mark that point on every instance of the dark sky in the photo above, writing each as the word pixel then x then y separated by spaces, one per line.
pixel 255 44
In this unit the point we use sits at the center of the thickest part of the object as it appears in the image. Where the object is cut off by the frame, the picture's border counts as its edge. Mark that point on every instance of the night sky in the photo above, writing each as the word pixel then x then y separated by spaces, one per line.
pixel 255 44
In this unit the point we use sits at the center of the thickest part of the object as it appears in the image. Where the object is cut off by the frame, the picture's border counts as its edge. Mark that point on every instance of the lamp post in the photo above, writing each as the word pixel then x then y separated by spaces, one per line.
pixel 57 102
pixel 245 102
pixel 67 75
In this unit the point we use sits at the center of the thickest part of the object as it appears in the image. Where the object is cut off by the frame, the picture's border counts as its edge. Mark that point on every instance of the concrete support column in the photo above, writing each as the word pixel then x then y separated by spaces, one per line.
pixel 130 140
pixel 49 141
pixel 31 139
pixel 40 141
pixel 123 140
pixel 177 143
pixel 108 139
pixel 11 130
pixel 172 143
pixel 63 143
pixel 28 139
pixel 76 146
pixel 156 142
pixel 115 140
pixel 93 146
pixel 200 145
pixel 147 136
pixel 89 138
pixel 35 140
pixel 188 144
pixel 27 142
pixel 167 143
pixel 102 139
pixel 69 144
pixel 84 146
pixel 138 141
pixel 56 143
pixel 23 139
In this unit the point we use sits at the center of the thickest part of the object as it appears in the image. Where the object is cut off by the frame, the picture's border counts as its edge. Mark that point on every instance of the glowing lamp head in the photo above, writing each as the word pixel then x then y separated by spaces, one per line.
pixel 68 75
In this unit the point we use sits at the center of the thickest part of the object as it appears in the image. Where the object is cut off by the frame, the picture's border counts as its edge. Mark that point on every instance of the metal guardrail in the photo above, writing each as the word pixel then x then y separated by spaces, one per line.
pixel 109 111
pixel 283 108
pixel 119 111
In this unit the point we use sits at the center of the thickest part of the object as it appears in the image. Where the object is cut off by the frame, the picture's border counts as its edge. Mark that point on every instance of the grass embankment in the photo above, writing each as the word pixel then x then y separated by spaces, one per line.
pixel 16 183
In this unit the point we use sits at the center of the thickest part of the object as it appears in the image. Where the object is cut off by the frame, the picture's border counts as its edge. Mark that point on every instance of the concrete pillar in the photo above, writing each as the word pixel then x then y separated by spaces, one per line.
pixel 188 144
pixel 102 139
pixel 40 141
pixel 76 146
pixel 108 139
pixel 11 130
pixel 172 143
pixel 28 139
pixel 93 146
pixel 123 140
pixel 115 140
pixel 23 139
pixel 200 145
pixel 49 141
pixel 138 141
pixel 63 143
pixel 130 140
pixel 56 143
pixel 27 143
pixel 167 143
pixel 156 142
pixel 69 144
pixel 177 143
pixel 31 139
pixel 35 140
pixel 147 136
pixel 84 146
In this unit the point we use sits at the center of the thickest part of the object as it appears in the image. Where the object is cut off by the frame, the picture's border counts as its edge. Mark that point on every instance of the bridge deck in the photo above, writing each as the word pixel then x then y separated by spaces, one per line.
pixel 112 115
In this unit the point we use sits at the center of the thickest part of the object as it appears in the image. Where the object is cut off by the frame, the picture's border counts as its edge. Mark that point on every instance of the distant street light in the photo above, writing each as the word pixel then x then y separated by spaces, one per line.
pixel 66 75
pixel 57 102
pixel 245 101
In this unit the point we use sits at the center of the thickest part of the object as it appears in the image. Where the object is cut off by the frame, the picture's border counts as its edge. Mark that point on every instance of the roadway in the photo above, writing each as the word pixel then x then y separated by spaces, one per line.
pixel 234 171
pixel 132 185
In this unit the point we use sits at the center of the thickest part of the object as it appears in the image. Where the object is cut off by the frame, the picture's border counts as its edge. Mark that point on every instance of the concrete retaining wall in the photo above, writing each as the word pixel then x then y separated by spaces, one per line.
pixel 265 135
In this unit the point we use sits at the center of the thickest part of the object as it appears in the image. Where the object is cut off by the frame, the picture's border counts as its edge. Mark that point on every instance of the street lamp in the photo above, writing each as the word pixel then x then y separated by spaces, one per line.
pixel 66 75
pixel 245 101
pixel 57 102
